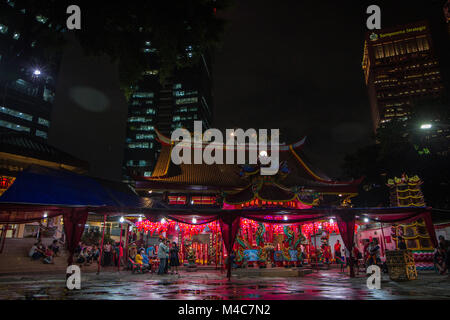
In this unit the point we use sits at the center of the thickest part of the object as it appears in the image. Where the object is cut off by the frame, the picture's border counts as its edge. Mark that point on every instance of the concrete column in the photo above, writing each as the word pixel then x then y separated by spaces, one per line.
pixel 20 230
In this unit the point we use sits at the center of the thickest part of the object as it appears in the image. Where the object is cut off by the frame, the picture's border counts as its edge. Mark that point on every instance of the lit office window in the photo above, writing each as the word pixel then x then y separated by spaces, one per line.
pixel 177 86
pixel 146 128
pixel 143 95
pixel 139 119
pixel 150 111
pixel 422 43
pixel 139 145
pixel 143 136
pixel 13 126
pixel 150 73
pixel 3 29
pixel 41 19
pixel 44 122
pixel 147 174
pixel 16 114
pixel 41 134
pixel 186 100
pixel 143 163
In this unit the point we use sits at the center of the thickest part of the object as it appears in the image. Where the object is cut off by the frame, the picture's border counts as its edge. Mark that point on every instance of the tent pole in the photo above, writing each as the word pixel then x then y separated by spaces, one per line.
pixel 384 239
pixel 126 244
pixel 120 247
pixel 315 247
pixel 101 248
pixel 230 233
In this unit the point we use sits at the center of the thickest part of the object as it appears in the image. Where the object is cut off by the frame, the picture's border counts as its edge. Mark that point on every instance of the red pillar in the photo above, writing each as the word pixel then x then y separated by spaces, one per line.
pixel 120 247
pixel 101 248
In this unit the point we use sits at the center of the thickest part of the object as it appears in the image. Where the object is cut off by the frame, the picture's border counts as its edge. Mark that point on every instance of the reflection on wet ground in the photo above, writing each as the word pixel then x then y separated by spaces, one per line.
pixel 211 285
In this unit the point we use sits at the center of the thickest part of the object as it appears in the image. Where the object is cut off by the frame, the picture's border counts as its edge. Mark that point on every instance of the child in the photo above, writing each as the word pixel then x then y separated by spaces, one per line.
pixel 48 258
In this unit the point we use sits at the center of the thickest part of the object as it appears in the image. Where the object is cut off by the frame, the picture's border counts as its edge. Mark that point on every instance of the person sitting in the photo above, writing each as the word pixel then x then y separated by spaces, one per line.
pixel 145 260
pixel 82 257
pixel 440 258
pixel 48 258
pixel 95 253
pixel 138 258
pixel 54 247
pixel 89 255
pixel 35 252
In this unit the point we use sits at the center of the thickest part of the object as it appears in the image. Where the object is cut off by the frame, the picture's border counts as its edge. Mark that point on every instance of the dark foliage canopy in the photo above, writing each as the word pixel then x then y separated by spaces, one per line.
pixel 116 29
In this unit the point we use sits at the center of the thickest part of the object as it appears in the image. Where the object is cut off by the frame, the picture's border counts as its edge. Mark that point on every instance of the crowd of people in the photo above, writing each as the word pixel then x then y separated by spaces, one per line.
pixel 112 254
pixel 40 251
pixel 167 253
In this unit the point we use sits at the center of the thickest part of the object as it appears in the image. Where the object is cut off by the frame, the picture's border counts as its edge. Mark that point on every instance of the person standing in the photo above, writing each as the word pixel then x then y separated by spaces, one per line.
pixel 374 253
pixel 107 248
pixel 166 269
pixel 174 261
pixel 401 243
pixel 162 256
pixel 337 252
pixel 121 262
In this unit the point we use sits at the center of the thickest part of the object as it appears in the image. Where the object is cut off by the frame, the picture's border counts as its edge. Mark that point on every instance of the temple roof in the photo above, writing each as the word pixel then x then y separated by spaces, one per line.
pixel 168 176
pixel 23 145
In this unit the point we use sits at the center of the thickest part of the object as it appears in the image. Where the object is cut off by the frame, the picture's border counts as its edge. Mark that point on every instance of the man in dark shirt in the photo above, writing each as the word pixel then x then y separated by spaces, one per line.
pixel 401 244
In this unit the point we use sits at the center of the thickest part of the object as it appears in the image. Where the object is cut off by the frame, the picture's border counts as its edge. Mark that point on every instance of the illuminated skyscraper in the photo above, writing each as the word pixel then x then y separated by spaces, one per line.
pixel 401 66
pixel 28 75
pixel 177 102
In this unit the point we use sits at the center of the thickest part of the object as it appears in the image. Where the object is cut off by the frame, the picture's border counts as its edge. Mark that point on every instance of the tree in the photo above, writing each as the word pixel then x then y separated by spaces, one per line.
pixel 399 149
pixel 117 30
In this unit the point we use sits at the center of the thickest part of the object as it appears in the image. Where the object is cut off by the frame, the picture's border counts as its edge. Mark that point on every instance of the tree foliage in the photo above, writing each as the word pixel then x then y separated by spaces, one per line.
pixel 118 29
pixel 399 149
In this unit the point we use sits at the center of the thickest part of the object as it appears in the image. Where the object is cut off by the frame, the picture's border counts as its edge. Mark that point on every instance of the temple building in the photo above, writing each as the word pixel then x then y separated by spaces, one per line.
pixel 296 185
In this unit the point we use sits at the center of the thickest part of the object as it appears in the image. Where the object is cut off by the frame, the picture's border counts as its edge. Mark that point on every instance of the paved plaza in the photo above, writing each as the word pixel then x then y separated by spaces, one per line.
pixel 212 285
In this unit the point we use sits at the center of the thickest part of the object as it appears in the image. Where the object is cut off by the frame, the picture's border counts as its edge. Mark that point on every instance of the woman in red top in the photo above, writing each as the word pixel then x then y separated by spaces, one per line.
pixel 337 251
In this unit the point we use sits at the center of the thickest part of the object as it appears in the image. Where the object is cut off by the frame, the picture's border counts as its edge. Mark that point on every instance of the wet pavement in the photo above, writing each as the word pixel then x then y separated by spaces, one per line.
pixel 211 285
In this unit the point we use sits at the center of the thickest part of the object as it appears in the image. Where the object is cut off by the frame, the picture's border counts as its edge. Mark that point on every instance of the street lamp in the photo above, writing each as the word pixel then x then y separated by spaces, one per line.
pixel 37 72
pixel 121 219
pixel 194 220
pixel 366 220
pixel 426 126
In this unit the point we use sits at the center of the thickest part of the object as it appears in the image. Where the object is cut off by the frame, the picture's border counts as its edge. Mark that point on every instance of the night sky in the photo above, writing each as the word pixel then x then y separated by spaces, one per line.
pixel 292 65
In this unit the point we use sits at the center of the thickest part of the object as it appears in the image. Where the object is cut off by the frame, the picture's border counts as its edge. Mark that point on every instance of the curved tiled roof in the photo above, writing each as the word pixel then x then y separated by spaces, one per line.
pixel 24 145
pixel 225 176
